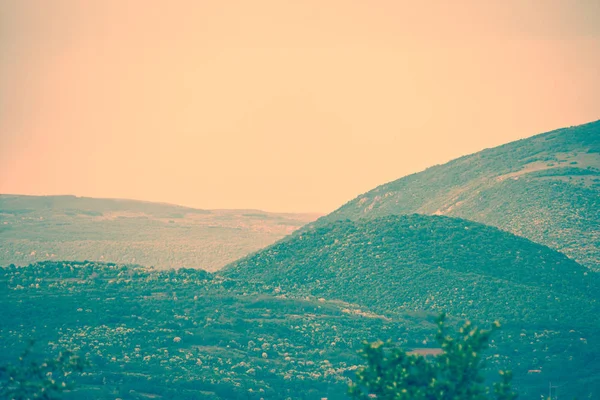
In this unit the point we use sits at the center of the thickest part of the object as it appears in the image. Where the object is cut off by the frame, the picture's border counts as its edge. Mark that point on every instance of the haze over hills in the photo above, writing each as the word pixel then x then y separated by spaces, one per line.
pixel 296 106
pixel 545 188
pixel 36 228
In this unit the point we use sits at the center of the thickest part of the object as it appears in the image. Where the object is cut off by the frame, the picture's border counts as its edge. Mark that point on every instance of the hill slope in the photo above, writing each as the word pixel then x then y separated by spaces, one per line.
pixel 36 228
pixel 187 334
pixel 545 188
pixel 418 263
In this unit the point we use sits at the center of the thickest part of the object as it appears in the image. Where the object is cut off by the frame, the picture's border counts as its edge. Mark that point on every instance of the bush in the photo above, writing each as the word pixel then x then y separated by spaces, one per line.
pixel 30 379
pixel 455 374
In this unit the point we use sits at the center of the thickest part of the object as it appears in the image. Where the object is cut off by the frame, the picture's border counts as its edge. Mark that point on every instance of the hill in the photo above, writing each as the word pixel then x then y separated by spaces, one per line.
pixel 36 228
pixel 419 263
pixel 434 263
pixel 545 188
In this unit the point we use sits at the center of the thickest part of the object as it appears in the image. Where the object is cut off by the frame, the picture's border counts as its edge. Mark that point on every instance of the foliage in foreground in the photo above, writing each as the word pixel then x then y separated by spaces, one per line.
pixel 456 373
pixel 188 334
pixel 30 379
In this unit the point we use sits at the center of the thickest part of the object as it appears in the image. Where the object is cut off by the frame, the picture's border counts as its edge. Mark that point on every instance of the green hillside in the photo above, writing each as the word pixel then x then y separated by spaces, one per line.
pixel 189 334
pixel 434 263
pixel 545 188
pixel 37 228
pixel 417 263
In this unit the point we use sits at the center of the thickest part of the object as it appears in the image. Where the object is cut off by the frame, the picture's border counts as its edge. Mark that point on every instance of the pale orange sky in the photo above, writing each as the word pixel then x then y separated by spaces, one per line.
pixel 278 105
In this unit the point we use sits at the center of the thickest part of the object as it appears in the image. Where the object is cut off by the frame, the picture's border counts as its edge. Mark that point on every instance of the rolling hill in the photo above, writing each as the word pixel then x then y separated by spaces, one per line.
pixel 545 188
pixel 418 263
pixel 37 228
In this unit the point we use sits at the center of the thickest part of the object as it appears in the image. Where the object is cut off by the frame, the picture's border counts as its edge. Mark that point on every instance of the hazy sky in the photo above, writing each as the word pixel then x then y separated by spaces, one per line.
pixel 278 105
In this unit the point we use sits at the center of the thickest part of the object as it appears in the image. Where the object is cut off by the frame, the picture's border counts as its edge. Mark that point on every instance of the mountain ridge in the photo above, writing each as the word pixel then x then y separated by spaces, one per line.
pixel 51 201
pixel 37 228
pixel 545 188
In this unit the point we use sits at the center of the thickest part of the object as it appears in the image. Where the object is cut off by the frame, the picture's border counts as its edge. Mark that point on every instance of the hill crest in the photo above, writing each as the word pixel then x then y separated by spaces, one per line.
pixel 545 188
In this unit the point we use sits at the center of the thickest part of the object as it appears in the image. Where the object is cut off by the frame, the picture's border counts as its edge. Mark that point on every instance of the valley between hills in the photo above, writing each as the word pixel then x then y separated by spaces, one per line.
pixel 38 228
pixel 167 302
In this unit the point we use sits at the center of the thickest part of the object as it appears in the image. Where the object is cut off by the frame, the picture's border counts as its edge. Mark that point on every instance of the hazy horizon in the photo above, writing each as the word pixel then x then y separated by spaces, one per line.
pixel 238 208
pixel 278 106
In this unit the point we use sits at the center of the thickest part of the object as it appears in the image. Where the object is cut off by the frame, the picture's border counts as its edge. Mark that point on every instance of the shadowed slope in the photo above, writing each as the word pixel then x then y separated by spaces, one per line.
pixel 420 262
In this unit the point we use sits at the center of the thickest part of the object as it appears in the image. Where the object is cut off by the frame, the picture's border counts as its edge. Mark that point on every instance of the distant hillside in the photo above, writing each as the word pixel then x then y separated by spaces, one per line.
pixel 545 188
pixel 434 263
pixel 36 228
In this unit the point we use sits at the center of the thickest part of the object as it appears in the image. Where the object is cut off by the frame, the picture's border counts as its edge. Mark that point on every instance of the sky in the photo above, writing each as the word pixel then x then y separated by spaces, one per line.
pixel 290 106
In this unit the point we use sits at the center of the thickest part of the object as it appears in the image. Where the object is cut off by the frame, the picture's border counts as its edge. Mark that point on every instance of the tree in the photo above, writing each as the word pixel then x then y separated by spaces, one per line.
pixel 391 373
pixel 30 379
